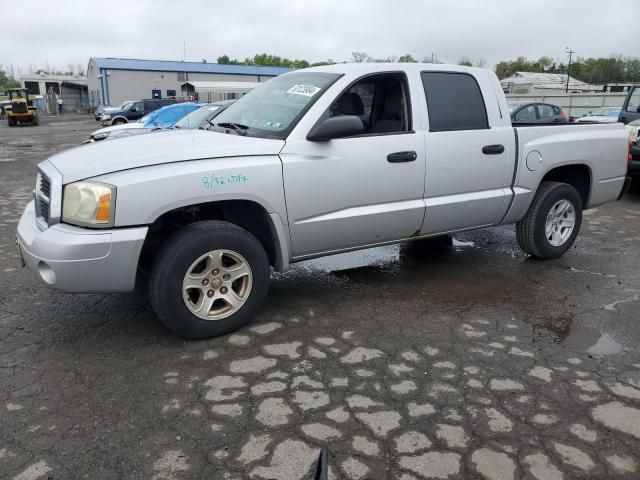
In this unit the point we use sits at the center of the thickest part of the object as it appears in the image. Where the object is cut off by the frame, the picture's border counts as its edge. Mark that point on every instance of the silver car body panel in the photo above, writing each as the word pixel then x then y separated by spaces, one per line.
pixel 146 193
pixel 79 260
pixel 170 146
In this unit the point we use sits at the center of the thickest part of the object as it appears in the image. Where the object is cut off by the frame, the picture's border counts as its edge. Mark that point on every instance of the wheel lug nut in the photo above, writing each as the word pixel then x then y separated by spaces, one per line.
pixel 226 276
pixel 205 282
pixel 215 271
pixel 223 290
pixel 210 293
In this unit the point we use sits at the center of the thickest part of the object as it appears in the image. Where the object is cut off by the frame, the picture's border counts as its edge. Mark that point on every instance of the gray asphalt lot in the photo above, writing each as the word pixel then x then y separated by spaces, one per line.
pixel 424 360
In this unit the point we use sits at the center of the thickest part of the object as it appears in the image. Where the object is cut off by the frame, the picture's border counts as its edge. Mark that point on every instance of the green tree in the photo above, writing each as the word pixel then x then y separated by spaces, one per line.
pixel 6 82
pixel 408 58
pixel 359 57
pixel 465 61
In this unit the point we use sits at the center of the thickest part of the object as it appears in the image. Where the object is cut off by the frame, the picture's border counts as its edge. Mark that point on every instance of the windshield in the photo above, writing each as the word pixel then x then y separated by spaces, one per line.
pixel 126 105
pixel 197 117
pixel 272 109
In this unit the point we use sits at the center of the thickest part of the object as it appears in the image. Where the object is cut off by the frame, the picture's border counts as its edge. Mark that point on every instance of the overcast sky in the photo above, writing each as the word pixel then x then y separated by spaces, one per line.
pixel 62 33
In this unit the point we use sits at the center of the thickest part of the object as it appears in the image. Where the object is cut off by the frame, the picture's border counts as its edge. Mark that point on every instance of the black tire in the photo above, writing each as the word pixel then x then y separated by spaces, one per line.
pixel 530 231
pixel 175 257
pixel 12 122
pixel 35 121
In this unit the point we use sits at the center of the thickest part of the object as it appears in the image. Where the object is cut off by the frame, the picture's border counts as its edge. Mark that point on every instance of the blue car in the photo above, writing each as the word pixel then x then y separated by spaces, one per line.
pixel 164 117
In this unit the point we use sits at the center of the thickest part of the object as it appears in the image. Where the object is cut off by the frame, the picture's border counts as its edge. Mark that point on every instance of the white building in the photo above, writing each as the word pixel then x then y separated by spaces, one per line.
pixel 72 89
pixel 114 80
pixel 529 83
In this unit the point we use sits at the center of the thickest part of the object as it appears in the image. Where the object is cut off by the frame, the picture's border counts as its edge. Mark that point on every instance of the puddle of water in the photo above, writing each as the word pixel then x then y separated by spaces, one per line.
pixel 460 243
pixel 369 257
pixel 592 341
pixel 407 252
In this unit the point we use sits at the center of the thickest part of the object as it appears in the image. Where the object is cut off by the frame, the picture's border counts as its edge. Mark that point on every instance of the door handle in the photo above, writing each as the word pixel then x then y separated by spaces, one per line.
pixel 399 157
pixel 493 149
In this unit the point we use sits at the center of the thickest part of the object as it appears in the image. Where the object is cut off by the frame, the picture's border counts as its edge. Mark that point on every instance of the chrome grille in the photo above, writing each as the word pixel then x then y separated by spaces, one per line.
pixel 45 185
pixel 43 197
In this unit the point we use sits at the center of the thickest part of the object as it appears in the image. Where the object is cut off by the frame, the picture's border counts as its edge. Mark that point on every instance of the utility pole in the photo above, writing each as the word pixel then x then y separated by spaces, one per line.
pixel 570 52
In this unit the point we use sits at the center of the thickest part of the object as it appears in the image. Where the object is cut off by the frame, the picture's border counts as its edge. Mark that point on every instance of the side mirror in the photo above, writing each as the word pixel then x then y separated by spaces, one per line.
pixel 336 127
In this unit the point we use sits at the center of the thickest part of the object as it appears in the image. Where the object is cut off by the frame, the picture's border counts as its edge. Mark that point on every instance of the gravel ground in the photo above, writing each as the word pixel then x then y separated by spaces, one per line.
pixel 424 360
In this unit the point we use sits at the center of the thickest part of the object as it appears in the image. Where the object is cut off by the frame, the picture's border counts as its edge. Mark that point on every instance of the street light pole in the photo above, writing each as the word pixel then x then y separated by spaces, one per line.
pixel 570 52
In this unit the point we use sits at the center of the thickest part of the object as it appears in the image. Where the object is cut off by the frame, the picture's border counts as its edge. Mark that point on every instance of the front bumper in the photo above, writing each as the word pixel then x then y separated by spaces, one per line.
pixel 79 260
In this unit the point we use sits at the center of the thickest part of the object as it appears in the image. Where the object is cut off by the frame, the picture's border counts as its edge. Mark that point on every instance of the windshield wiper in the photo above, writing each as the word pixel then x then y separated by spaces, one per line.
pixel 235 126
pixel 238 128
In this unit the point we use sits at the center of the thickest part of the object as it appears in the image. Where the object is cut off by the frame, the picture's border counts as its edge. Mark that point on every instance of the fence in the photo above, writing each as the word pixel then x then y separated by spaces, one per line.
pixel 576 104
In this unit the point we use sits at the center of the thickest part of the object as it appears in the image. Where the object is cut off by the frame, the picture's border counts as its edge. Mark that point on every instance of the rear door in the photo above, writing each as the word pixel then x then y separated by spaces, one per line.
pixel 469 154
pixel 631 108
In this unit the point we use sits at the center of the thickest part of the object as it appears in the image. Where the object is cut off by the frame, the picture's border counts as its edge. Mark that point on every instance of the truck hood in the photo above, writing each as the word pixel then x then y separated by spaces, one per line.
pixel 156 148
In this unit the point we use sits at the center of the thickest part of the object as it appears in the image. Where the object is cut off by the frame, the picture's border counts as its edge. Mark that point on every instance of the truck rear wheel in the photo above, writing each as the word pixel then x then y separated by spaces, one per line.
pixel 552 222
pixel 35 120
pixel 12 122
pixel 208 279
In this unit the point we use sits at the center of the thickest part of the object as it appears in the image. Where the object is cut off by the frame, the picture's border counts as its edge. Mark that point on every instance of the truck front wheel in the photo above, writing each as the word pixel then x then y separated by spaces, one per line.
pixel 552 222
pixel 209 278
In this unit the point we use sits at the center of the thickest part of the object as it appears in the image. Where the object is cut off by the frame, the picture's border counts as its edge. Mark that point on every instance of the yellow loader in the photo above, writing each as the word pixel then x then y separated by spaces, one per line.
pixel 21 109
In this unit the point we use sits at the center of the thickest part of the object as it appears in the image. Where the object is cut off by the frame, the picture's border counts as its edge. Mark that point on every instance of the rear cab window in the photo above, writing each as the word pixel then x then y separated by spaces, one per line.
pixel 454 102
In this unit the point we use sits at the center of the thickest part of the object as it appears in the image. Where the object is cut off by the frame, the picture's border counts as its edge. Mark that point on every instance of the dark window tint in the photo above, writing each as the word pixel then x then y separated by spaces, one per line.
pixel 454 101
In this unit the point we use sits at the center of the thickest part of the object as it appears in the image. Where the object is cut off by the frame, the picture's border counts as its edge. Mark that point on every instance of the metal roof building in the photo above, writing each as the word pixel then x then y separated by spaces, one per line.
pixel 114 80
pixel 531 83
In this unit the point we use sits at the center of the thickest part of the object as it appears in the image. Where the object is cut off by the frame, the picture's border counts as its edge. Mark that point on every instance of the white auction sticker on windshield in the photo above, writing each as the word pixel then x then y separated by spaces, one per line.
pixel 306 90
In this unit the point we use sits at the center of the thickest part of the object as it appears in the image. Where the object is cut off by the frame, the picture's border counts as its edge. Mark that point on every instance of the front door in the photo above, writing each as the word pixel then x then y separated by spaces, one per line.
pixel 362 190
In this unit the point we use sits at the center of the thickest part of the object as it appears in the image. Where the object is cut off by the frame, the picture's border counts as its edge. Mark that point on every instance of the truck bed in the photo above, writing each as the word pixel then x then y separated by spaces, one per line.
pixel 539 148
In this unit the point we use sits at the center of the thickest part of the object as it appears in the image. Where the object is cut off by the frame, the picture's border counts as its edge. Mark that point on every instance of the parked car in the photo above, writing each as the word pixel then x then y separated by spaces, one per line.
pixel 536 112
pixel 131 111
pixel 201 117
pixel 291 172
pixel 164 117
pixel 602 115
pixel 631 106
pixel 107 109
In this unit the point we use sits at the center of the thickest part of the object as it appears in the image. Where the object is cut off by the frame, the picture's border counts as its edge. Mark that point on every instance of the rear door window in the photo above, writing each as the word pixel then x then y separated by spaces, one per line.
pixel 526 114
pixel 545 111
pixel 454 102
pixel 151 106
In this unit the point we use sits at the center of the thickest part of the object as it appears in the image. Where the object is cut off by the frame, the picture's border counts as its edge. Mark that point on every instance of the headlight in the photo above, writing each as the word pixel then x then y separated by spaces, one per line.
pixel 89 204
pixel 106 116
pixel 100 136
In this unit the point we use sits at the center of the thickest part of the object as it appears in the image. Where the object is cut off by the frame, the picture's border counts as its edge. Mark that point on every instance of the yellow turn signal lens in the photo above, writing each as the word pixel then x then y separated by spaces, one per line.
pixel 104 208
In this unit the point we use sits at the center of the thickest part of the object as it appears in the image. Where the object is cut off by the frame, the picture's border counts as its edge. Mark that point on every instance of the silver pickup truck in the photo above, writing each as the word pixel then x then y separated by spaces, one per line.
pixel 310 163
